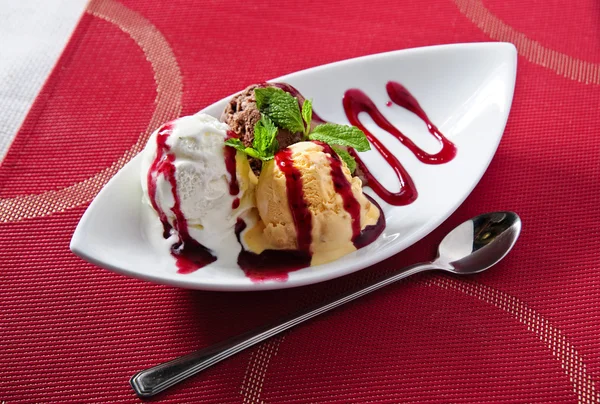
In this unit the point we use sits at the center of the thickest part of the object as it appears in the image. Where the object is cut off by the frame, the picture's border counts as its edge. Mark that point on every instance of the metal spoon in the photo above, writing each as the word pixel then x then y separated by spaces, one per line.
pixel 472 247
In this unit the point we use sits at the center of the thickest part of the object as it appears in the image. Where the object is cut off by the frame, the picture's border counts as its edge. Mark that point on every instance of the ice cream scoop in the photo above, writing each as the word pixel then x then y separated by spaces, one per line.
pixel 197 186
pixel 308 201
pixel 241 114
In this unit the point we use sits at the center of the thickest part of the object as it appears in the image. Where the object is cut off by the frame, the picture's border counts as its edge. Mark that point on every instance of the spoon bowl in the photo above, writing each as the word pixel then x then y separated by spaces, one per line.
pixel 478 243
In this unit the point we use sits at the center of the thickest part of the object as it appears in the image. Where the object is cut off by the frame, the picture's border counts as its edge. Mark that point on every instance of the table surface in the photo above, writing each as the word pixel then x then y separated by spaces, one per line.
pixel 33 34
pixel 525 331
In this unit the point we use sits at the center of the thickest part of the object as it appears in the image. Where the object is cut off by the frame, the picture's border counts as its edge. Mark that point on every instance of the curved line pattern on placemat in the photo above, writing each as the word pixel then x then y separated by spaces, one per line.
pixel 256 371
pixel 565 65
pixel 552 337
pixel 571 362
pixel 168 102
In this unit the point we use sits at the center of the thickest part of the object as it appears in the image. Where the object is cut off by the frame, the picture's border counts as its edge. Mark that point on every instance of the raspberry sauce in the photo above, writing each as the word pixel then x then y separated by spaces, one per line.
pixel 344 189
pixel 270 265
pixel 295 194
pixel 188 253
pixel 355 101
pixel 234 187
pixel 370 233
pixel 402 97
pixel 230 165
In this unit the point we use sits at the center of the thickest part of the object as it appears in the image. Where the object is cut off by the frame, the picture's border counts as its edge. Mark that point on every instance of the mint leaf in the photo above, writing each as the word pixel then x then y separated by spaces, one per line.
pixel 307 114
pixel 346 158
pixel 252 152
pixel 342 135
pixel 264 95
pixel 236 144
pixel 281 107
pixel 264 136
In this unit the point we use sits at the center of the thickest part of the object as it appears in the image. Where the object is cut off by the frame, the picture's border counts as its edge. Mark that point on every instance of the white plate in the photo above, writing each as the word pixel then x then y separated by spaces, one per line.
pixel 466 89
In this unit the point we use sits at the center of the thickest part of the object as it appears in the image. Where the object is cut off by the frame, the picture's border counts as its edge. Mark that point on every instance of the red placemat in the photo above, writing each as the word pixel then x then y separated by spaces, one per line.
pixel 526 331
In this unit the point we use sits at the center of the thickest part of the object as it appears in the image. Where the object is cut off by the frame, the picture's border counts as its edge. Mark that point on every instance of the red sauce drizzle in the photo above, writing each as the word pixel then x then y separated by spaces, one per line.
pixel 402 97
pixel 230 165
pixel 370 233
pixel 188 253
pixel 161 150
pixel 230 152
pixel 270 265
pixel 355 101
pixel 407 193
pixel 388 104
pixel 343 187
pixel 295 193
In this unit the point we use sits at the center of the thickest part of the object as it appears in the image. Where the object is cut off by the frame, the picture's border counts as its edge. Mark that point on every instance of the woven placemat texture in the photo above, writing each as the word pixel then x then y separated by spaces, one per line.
pixel 526 331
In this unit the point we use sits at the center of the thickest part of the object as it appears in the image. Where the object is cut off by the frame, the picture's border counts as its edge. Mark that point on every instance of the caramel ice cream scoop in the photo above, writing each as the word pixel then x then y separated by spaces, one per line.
pixel 308 200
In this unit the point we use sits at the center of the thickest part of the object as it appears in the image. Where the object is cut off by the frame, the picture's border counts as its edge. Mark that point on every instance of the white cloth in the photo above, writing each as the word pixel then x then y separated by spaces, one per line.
pixel 33 34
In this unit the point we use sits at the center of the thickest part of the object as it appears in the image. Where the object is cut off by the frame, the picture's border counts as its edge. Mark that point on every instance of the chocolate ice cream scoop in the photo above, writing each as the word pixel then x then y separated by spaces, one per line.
pixel 241 114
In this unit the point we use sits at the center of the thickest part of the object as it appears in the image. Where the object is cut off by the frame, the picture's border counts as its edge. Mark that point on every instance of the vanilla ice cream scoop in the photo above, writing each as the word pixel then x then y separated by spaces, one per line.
pixel 197 186
pixel 308 201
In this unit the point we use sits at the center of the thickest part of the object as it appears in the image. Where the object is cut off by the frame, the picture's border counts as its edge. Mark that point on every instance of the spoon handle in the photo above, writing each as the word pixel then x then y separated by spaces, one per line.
pixel 149 382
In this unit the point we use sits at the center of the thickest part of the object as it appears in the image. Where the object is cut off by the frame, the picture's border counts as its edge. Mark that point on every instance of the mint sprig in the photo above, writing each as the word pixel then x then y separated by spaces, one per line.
pixel 238 145
pixel 264 141
pixel 346 158
pixel 281 107
pixel 342 135
pixel 307 115
pixel 336 136
pixel 264 144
